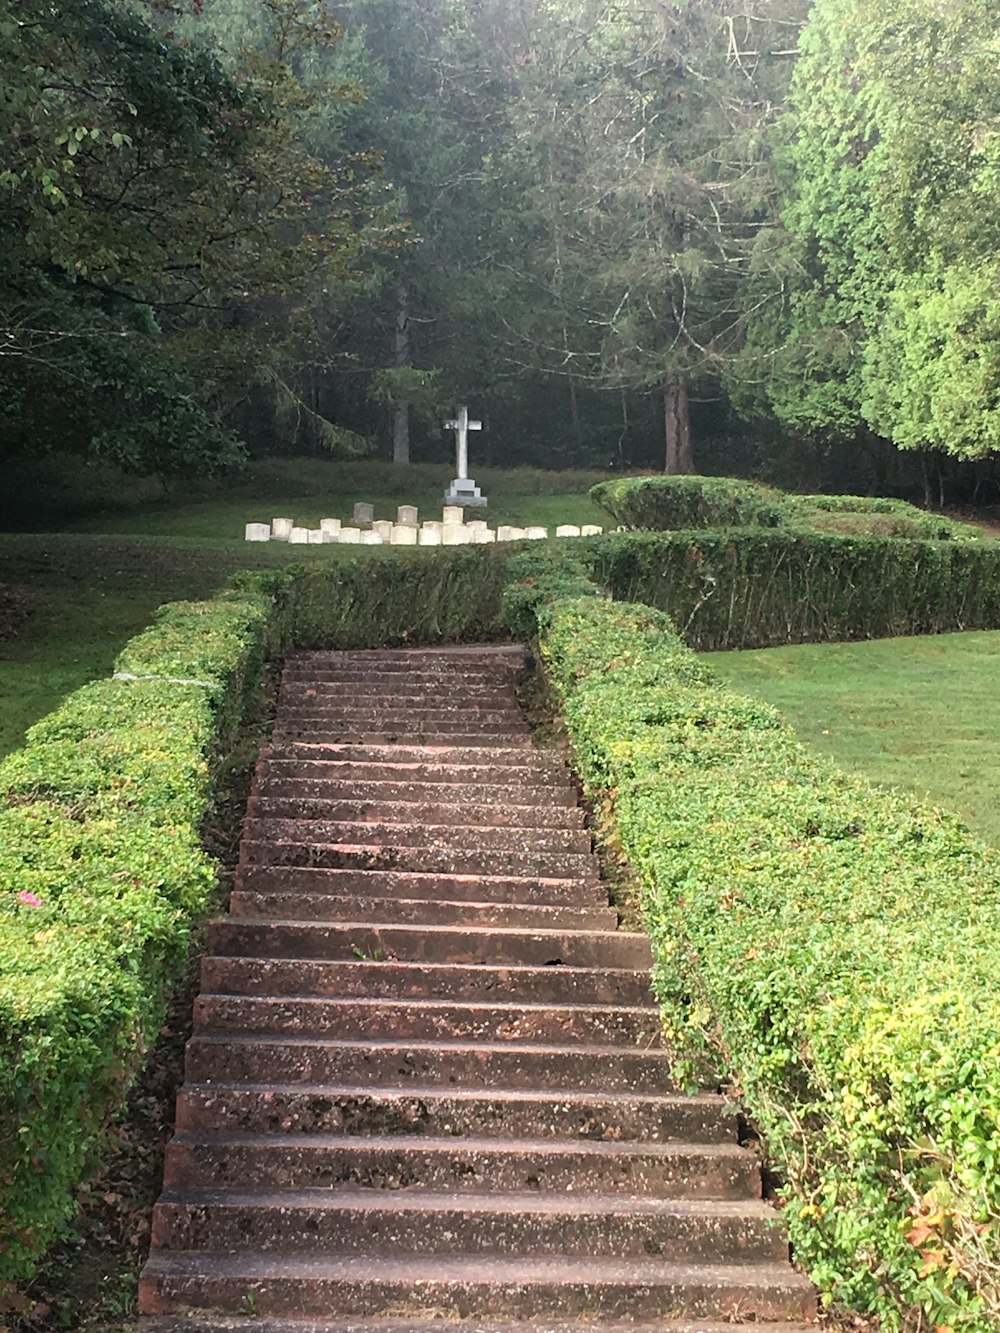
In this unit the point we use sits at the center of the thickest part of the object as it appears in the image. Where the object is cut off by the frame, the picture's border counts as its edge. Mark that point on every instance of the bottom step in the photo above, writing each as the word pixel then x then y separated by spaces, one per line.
pixel 251 1324
pixel 459 1287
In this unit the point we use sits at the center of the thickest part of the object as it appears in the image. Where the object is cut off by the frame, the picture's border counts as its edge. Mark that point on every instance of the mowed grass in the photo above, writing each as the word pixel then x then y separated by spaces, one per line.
pixel 92 587
pixel 916 713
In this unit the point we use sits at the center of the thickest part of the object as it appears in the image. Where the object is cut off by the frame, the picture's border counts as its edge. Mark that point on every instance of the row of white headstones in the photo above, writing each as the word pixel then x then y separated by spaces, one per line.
pixel 407 530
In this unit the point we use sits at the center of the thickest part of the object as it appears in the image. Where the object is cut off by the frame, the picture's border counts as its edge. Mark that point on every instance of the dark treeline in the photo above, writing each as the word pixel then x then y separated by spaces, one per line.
pixel 752 236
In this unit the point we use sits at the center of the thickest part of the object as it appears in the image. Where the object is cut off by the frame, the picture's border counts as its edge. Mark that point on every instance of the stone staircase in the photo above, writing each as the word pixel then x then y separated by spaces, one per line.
pixel 425 1083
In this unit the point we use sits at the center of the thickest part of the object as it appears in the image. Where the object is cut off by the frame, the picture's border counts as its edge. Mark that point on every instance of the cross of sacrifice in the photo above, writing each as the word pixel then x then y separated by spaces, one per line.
pixel 461 426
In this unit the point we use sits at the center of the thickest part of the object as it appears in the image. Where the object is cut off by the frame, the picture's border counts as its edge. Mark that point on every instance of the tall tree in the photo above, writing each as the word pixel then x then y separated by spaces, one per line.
pixel 889 320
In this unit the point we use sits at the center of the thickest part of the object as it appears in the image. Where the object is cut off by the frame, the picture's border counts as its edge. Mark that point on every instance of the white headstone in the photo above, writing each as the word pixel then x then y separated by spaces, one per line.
pixel 363 513
pixel 483 536
pixel 431 525
pixel 536 534
pixel 350 536
pixel 455 534
pixel 453 514
pixel 299 536
pixel 590 530
pixel 567 530
pixel 383 527
pixel 404 535
pixel 476 524
pixel 406 516
pixel 258 532
pixel 369 537
pixel 281 529
pixel 429 536
pixel 316 536
pixel 506 533
pixel 331 526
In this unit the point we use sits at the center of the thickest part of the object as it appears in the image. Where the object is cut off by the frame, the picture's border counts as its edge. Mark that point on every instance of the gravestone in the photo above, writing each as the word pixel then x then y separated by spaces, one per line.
pixel 567 530
pixel 406 516
pixel 463 491
pixel 369 537
pixel 281 529
pixel 363 514
pixel 330 527
pixel 315 536
pixel 403 535
pixel 299 536
pixel 383 527
pixel 258 532
pixel 536 534
pixel 350 536
pixel 483 536
pixel 430 536
pixel 507 533
pixel 591 530
pixel 455 534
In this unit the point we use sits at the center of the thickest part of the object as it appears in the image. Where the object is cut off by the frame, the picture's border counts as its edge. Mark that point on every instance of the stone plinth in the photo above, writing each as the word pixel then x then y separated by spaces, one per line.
pixel 258 532
pixel 281 529
pixel 463 493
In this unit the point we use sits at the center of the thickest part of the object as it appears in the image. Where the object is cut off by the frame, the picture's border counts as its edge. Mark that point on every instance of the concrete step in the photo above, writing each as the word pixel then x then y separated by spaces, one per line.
pixel 437 732
pixel 456 833
pixel 252 1324
pixel 300 906
pixel 394 786
pixel 426 1020
pixel 463 1286
pixel 467 1165
pixel 429 944
pixel 388 711
pixel 366 884
pixel 378 1223
pixel 193 1323
pixel 428 858
pixel 420 756
pixel 476 1112
pixel 401 690
pixel 386 1062
pixel 477 982
pixel 414 812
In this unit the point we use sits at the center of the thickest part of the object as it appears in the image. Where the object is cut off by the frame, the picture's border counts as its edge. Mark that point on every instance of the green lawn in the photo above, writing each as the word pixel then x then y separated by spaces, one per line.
pixel 91 588
pixel 918 713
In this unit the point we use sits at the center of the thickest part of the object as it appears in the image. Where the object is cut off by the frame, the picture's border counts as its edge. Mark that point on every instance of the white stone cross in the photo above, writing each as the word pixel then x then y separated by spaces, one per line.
pixel 461 426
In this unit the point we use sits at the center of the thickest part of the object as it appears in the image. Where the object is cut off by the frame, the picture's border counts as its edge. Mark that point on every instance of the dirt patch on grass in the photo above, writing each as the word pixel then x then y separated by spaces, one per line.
pixel 14 610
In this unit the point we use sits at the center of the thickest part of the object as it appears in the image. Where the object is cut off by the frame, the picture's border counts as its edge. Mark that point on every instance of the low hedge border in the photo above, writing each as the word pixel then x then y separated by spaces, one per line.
pixel 827 948
pixel 761 587
pixel 104 880
pixel 669 503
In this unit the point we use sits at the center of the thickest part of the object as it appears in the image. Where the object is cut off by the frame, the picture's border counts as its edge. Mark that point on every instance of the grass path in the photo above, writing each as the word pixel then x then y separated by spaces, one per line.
pixel 917 713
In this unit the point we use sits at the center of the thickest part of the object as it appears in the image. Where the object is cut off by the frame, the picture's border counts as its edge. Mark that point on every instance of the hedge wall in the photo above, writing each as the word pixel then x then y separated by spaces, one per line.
pixel 756 588
pixel 827 948
pixel 104 878
pixel 670 503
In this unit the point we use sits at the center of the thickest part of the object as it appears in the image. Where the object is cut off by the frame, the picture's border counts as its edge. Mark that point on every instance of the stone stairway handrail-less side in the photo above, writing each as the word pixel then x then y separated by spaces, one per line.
pixel 426 1082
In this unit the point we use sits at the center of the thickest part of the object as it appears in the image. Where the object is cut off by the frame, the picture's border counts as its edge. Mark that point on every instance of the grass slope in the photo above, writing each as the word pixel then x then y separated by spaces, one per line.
pixel 914 713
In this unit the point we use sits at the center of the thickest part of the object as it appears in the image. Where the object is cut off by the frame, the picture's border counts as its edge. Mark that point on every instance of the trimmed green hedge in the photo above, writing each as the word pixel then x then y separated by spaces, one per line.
pixel 829 949
pixel 670 503
pixel 754 588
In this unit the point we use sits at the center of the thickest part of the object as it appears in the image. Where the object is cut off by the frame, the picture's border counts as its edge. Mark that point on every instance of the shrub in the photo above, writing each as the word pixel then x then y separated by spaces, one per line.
pixel 826 948
pixel 670 503
pixel 749 588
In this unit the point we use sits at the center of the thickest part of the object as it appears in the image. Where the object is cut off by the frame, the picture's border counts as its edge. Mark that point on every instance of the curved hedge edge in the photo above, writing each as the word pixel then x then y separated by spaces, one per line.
pixel 832 948
pixel 103 879
pixel 669 503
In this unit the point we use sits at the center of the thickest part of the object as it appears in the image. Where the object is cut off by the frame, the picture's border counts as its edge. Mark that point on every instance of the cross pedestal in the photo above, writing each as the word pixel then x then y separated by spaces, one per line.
pixel 463 490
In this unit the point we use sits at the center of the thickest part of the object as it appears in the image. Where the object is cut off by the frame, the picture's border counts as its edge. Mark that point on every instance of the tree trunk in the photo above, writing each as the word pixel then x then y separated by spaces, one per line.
pixel 677 421
pixel 401 408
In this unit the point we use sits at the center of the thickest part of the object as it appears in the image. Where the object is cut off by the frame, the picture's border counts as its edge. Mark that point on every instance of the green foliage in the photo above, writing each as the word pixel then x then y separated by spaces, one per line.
pixel 887 316
pixel 104 881
pixel 668 503
pixel 826 947
pixel 755 588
